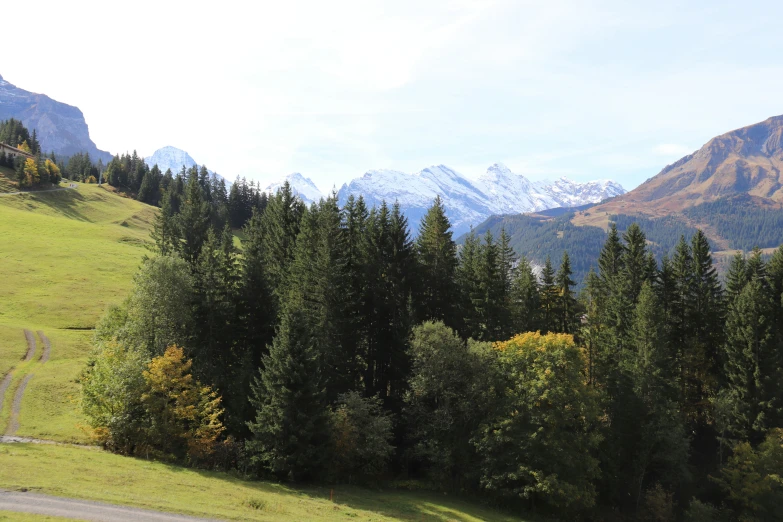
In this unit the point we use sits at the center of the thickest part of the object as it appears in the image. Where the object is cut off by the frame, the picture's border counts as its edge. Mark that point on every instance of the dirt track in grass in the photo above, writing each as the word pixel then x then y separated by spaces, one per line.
pixel 30 345
pixel 16 408
pixel 47 350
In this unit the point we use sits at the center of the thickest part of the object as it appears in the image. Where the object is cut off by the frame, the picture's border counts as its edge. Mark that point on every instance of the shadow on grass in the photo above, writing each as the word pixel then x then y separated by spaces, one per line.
pixel 65 202
pixel 398 504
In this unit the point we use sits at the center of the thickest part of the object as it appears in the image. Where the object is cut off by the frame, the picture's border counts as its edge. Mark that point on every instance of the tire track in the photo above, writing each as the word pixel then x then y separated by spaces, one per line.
pixel 47 350
pixel 3 387
pixel 30 345
pixel 16 408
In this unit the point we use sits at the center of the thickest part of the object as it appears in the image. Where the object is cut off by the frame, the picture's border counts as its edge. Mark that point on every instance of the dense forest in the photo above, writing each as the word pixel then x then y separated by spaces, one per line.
pixel 34 172
pixel 335 348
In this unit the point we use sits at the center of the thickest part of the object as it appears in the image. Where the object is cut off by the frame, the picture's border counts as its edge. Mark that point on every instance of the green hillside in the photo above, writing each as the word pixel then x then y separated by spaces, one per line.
pixel 65 256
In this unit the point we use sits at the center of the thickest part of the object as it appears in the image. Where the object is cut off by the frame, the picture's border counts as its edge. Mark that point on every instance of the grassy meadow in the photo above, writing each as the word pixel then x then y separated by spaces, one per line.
pixel 66 256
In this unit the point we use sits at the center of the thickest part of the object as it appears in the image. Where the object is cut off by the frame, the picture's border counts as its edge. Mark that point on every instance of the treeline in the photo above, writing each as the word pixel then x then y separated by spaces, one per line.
pixel 341 349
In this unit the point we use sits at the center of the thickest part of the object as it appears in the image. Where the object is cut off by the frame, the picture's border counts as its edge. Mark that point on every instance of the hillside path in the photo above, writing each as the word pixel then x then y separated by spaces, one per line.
pixel 30 345
pixel 82 509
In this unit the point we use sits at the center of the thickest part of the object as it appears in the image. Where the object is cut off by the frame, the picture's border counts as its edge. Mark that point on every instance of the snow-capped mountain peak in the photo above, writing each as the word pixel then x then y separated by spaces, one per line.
pixel 303 187
pixel 169 157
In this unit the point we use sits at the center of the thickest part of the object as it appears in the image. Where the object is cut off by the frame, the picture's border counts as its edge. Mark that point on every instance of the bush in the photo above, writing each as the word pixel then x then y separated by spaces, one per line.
pixel 138 406
pixel 361 431
pixel 699 511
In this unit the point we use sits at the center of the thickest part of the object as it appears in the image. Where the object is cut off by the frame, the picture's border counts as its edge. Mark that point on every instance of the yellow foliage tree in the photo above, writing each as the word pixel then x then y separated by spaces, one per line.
pixel 25 147
pixel 30 175
pixel 183 412
pixel 53 170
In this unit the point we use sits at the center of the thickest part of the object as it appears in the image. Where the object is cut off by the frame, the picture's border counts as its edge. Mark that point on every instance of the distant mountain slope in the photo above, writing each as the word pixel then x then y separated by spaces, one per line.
pixel 746 161
pixel 731 188
pixel 468 203
pixel 61 128
pixel 300 185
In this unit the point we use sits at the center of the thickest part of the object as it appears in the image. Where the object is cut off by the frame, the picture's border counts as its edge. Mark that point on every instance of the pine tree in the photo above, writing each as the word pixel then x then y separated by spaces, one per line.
pixel 707 314
pixel 290 429
pixel 661 445
pixel 279 228
pixel 467 275
pixel 217 359
pixel 165 230
pixel 566 302
pixel 752 364
pixel 737 276
pixel 192 222
pixel 436 254
pixel 320 286
pixel 524 298
pixel 548 297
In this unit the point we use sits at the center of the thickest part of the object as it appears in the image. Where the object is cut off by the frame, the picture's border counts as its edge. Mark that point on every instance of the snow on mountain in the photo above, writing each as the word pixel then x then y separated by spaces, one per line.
pixel 300 185
pixel 468 203
pixel 512 193
pixel 569 193
pixel 465 202
pixel 171 158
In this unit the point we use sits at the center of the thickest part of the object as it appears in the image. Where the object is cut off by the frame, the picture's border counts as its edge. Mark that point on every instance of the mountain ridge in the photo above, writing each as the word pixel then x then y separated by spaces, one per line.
pixel 60 128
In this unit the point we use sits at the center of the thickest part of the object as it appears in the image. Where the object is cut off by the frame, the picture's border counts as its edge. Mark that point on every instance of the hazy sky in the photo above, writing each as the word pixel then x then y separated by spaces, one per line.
pixel 585 89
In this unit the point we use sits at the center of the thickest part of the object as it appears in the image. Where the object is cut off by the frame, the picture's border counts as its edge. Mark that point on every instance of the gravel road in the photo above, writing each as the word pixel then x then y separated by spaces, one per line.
pixel 23 502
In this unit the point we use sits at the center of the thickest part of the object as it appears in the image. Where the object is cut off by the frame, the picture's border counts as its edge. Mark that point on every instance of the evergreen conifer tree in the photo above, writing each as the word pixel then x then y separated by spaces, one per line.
pixel 548 297
pixel 436 255
pixel 566 306
pixel 290 428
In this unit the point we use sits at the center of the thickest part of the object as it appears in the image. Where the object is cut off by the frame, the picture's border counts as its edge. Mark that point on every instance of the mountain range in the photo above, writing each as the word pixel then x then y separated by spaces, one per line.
pixel 468 202
pixel 60 128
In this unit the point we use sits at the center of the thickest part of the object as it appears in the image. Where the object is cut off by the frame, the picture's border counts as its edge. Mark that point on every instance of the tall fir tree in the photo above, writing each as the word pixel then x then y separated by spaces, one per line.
pixel 566 305
pixel 290 427
pixel 548 298
pixel 436 255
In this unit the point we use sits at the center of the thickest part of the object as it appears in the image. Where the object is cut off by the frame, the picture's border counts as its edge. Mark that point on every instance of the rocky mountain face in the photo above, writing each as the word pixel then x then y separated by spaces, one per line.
pixel 746 161
pixel 467 202
pixel 61 128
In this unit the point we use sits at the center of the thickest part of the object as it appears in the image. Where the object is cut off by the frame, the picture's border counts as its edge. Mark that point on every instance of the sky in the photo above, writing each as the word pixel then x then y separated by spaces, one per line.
pixel 582 89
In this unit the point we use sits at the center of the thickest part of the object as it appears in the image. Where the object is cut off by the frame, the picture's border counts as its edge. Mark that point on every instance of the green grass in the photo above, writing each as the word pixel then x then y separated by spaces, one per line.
pixel 97 475
pixel 60 272
pixel 50 407
pixel 13 347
